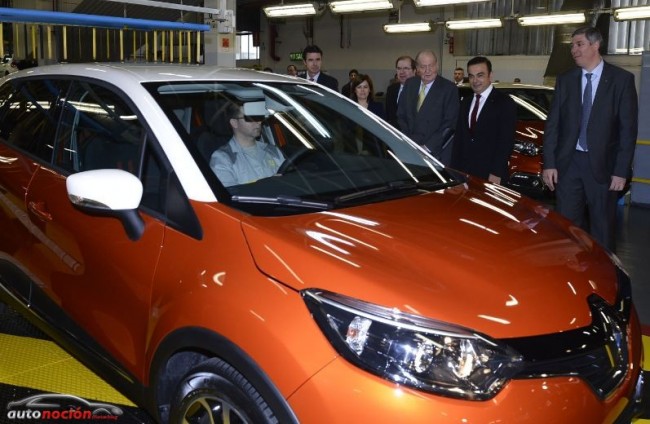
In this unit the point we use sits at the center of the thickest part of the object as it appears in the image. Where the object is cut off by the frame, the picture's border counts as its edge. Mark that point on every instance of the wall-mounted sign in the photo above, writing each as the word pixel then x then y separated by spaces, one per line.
pixel 295 56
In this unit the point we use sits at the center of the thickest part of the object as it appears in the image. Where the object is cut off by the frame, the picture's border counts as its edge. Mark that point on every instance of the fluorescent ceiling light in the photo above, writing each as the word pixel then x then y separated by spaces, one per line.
pixel 474 24
pixel 349 6
pixel 414 27
pixel 628 13
pixel 426 3
pixel 288 10
pixel 557 19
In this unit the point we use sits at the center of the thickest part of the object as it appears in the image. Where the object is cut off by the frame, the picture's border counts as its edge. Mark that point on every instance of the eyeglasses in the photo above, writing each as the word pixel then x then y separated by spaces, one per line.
pixel 255 118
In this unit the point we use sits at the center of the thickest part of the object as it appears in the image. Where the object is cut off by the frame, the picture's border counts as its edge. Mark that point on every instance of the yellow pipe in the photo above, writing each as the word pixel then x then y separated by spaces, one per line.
pixel 641 180
pixel 164 47
pixel 2 41
pixel 643 142
pixel 49 42
pixel 171 46
pixel 189 46
pixel 65 43
pixel 155 46
pixel 121 45
pixel 198 46
pixel 34 52
pixel 134 54
pixel 94 43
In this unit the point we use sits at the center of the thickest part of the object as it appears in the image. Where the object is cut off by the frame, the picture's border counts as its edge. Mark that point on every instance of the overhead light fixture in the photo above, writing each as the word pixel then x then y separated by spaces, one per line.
pixel 628 13
pixel 288 10
pixel 474 24
pixel 413 27
pixel 556 19
pixel 350 6
pixel 428 3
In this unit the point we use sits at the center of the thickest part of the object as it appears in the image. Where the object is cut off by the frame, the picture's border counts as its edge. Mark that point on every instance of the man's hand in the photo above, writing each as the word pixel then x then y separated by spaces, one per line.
pixel 550 178
pixel 618 183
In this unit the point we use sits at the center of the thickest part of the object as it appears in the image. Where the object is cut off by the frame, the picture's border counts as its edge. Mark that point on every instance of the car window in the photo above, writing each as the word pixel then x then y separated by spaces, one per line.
pixel 322 151
pixel 28 115
pixel 98 131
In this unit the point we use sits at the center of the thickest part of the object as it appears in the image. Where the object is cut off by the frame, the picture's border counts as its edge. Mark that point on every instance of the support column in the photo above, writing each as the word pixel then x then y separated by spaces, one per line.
pixel 640 190
pixel 219 43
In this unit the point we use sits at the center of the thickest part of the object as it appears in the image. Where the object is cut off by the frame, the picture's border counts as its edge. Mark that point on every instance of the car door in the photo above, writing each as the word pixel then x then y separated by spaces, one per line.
pixel 94 280
pixel 28 117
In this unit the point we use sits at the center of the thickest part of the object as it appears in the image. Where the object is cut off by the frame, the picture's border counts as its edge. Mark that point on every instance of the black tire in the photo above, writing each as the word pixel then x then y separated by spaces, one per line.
pixel 215 392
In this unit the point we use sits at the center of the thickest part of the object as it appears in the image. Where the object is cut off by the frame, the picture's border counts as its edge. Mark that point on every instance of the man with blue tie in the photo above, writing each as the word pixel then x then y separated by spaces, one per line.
pixel 589 138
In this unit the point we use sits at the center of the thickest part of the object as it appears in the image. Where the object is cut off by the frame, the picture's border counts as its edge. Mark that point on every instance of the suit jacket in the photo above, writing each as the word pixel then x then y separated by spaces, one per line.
pixel 328 81
pixel 436 117
pixel 487 149
pixel 612 127
pixel 391 103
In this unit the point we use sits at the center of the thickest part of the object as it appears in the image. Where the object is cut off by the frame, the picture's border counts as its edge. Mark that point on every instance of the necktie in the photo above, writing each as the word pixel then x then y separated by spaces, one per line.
pixel 586 110
pixel 472 119
pixel 421 95
pixel 311 79
pixel 399 93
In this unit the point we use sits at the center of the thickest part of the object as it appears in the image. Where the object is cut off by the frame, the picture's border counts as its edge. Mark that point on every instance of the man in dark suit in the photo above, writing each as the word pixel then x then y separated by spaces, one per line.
pixel 590 136
pixel 428 107
pixel 312 57
pixel 352 75
pixel 404 69
pixel 485 133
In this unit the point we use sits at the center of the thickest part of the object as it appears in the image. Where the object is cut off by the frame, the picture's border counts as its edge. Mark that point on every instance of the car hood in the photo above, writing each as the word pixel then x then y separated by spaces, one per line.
pixel 477 255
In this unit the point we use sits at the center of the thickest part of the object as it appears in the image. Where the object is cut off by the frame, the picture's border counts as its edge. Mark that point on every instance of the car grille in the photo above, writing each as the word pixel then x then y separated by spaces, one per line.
pixel 598 354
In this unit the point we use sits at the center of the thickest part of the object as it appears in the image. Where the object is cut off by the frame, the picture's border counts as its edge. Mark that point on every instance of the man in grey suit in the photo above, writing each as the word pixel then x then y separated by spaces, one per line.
pixel 589 138
pixel 428 107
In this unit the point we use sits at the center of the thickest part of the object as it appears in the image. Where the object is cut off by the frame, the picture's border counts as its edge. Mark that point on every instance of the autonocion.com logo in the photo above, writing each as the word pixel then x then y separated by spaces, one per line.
pixel 52 406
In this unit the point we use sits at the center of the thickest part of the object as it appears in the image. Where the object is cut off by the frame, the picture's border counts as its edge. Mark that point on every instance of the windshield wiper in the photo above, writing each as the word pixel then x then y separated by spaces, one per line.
pixel 394 187
pixel 283 200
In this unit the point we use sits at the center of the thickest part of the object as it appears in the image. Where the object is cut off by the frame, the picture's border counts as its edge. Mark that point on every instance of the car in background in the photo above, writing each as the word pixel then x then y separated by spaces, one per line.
pixel 526 161
pixel 362 282
pixel 8 65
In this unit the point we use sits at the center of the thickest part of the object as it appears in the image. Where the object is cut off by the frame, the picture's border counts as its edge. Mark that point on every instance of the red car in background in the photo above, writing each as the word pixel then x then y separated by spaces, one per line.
pixel 533 103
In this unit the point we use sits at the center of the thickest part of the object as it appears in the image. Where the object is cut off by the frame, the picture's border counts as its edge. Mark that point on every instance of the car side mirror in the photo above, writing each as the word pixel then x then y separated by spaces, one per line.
pixel 109 192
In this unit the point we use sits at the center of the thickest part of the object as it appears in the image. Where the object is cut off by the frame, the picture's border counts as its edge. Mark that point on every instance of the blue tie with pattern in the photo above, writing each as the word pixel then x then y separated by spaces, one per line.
pixel 586 110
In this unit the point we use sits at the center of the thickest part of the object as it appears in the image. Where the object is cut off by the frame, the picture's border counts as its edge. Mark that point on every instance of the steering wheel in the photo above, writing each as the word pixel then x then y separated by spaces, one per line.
pixel 294 159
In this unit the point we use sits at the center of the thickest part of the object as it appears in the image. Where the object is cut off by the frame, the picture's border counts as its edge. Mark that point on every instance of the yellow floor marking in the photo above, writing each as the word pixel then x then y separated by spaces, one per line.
pixel 42 365
pixel 646 350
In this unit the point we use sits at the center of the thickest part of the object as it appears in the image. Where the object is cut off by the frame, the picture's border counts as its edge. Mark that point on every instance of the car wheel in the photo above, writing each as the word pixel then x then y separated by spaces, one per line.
pixel 215 392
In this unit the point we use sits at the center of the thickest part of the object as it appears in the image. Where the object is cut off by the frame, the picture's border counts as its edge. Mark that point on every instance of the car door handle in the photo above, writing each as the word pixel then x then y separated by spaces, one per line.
pixel 38 209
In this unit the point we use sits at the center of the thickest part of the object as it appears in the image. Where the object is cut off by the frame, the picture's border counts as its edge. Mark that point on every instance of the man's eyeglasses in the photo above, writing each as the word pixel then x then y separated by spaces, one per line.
pixel 254 118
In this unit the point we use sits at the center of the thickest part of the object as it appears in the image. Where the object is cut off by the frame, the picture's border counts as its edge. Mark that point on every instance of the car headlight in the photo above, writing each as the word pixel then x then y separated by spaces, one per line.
pixel 528 148
pixel 412 350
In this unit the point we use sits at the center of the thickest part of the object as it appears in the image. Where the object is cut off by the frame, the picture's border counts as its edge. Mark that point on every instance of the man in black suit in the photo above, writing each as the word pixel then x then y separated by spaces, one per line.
pixel 312 57
pixel 485 133
pixel 428 107
pixel 404 69
pixel 352 75
pixel 590 136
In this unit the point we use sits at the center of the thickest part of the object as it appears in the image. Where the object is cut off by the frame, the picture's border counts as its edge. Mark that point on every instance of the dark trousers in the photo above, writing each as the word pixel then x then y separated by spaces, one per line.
pixel 586 202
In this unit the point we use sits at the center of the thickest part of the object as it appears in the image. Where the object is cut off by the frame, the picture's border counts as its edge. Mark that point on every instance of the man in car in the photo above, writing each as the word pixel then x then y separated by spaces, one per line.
pixel 485 133
pixel 245 159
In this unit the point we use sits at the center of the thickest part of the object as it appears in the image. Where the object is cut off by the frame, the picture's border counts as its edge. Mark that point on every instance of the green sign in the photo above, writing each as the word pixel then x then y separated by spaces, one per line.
pixel 295 56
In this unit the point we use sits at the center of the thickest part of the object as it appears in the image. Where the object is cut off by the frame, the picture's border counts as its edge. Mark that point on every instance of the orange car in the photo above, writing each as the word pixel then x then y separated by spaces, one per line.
pixel 232 246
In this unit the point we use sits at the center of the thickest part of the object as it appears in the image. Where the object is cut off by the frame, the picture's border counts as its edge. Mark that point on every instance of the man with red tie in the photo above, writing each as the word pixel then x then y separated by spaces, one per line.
pixel 485 131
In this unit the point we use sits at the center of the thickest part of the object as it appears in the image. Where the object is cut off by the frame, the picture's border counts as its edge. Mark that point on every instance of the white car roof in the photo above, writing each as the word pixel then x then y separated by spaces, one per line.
pixel 117 73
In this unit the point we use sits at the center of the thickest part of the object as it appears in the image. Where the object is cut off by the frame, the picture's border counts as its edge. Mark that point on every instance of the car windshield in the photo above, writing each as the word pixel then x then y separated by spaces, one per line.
pixel 312 149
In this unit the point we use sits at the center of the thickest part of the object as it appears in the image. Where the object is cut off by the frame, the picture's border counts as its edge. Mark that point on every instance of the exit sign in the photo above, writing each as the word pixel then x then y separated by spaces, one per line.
pixel 295 56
